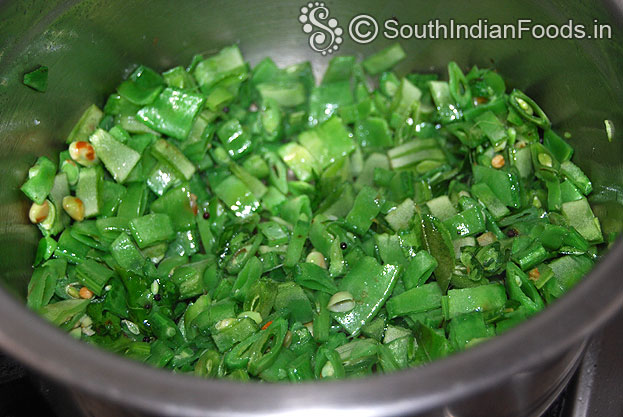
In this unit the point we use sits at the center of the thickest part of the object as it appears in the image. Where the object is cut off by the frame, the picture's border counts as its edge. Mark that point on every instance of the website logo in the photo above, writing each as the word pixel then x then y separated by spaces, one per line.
pixel 325 34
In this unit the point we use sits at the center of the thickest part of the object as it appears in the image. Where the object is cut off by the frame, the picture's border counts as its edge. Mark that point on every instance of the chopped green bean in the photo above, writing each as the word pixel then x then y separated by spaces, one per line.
pixel 245 223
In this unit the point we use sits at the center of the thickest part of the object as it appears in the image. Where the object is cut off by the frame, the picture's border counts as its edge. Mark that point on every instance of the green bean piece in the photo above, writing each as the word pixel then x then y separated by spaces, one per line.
pixel 528 109
pixel 151 228
pixel 522 290
pixel 234 331
pixel 37 79
pixel 314 277
pixel 245 223
pixel 40 180
pixel 490 297
pixel 437 242
pixel 369 296
pixel 62 311
pixel 118 159
pixel 467 329
pixel 365 209
pixel 432 344
pixel 459 88
pixel 297 241
pixel 384 59
pixel 93 275
pixel 580 215
pixel 291 297
pixel 172 112
pixel 45 249
pixel 42 285
pixel 416 300
pixel 577 177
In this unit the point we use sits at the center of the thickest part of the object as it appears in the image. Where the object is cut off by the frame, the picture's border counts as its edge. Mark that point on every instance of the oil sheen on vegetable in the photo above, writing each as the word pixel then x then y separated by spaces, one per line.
pixel 247 223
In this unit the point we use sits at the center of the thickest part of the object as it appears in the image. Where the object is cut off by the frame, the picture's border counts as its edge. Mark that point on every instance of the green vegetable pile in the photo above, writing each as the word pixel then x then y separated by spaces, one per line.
pixel 249 224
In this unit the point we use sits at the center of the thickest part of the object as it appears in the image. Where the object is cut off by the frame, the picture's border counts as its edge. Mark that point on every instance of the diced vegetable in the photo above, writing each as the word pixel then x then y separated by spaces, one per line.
pixel 88 190
pixel 172 112
pixel 244 223
pixel 118 158
pixel 86 125
pixel 384 59
pixel 580 215
pixel 150 229
pixel 40 180
pixel 490 297
pixel 369 296
pixel 328 142
pixel 37 79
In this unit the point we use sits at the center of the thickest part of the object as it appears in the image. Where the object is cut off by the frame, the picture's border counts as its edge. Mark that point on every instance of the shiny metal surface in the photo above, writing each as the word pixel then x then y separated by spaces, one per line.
pixel 89 46
pixel 596 388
